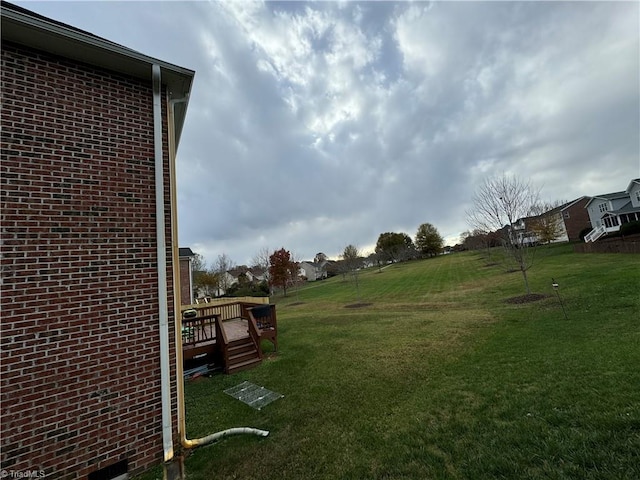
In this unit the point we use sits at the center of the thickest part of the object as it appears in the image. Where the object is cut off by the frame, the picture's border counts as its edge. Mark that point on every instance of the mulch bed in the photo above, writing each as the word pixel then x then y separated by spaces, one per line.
pixel 532 297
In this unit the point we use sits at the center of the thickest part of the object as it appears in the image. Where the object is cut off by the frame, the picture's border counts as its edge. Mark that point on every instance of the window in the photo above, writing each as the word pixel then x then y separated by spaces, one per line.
pixel 638 195
pixel 611 222
pixel 566 215
pixel 603 207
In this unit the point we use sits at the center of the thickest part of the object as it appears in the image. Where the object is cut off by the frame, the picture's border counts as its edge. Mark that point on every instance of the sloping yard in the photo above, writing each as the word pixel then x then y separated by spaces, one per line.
pixel 440 377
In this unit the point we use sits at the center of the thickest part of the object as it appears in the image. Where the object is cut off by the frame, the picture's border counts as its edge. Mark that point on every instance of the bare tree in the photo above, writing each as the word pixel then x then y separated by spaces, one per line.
pixel 295 273
pixel 261 260
pixel 503 204
pixel 198 263
pixel 221 266
pixel 352 263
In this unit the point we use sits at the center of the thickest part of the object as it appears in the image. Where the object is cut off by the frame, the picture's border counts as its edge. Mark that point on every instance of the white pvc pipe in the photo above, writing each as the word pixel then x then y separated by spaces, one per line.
pixel 163 302
pixel 198 442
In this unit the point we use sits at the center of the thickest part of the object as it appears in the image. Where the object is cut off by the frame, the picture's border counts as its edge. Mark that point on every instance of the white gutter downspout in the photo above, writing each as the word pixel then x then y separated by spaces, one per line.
pixel 163 305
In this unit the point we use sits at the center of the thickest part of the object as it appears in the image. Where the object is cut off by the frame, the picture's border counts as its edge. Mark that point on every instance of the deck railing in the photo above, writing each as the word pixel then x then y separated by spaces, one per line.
pixel 229 309
pixel 254 334
pixel 595 234
pixel 226 300
pixel 209 317
pixel 199 329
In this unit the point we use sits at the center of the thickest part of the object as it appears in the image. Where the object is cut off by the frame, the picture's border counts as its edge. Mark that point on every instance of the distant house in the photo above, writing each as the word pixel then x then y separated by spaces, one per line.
pixel 245 274
pixel 575 218
pixel 564 223
pixel 609 211
pixel 186 276
pixel 313 271
pixel 523 233
pixel 90 128
pixel 257 274
pixel 567 220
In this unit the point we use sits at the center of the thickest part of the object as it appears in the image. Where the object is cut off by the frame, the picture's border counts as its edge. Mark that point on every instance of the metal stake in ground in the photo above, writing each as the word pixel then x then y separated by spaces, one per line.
pixel 556 287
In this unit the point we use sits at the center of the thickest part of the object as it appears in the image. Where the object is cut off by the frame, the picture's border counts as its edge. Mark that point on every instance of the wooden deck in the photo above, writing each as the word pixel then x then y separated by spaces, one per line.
pixel 227 334
pixel 236 329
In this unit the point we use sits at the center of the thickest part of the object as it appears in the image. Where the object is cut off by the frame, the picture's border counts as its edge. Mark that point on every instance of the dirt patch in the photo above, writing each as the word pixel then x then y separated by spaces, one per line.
pixel 295 304
pixel 531 297
pixel 358 305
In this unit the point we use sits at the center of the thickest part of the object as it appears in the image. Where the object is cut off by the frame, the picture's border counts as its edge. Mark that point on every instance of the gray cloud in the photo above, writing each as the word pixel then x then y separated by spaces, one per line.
pixel 315 125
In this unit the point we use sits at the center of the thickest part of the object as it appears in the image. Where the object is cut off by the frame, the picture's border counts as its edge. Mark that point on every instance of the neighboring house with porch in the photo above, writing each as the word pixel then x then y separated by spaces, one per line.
pixel 609 211
pixel 89 260
pixel 560 224
pixel 564 222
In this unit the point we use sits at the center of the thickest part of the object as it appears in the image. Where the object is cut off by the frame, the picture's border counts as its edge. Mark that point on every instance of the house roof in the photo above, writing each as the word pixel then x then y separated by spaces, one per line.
pixel 571 203
pixel 607 196
pixel 635 180
pixel 626 208
pixel 27 28
pixel 185 252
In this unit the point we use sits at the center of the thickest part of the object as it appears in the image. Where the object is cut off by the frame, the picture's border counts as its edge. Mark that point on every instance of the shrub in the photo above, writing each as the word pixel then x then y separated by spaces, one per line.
pixel 630 228
pixel 583 233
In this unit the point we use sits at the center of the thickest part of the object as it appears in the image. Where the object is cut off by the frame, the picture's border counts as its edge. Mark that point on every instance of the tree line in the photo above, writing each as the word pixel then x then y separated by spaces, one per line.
pixel 280 268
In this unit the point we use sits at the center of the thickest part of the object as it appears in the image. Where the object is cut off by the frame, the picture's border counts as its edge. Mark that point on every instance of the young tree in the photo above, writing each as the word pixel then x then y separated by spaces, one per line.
pixel 498 204
pixel 281 269
pixel 428 240
pixel 294 279
pixel 353 262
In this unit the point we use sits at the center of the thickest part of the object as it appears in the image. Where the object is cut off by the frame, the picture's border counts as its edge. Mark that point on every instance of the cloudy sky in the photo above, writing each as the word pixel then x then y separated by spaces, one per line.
pixel 312 126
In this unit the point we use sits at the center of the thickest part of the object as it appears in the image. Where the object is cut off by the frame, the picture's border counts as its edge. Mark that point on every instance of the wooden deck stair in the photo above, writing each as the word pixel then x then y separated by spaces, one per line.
pixel 242 355
pixel 230 333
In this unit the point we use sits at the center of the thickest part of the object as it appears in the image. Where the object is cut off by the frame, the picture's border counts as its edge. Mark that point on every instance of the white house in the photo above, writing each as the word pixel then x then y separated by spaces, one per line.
pixel 313 271
pixel 609 211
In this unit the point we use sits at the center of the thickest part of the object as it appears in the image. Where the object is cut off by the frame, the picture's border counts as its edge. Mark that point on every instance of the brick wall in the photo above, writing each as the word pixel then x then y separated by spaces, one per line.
pixel 578 219
pixel 185 282
pixel 80 384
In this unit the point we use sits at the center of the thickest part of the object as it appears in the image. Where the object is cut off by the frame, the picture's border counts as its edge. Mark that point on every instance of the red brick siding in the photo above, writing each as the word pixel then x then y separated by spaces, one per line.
pixel 578 219
pixel 185 282
pixel 80 385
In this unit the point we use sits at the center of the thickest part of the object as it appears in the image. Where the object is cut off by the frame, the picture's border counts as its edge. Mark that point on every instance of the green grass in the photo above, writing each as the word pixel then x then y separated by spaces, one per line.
pixel 441 378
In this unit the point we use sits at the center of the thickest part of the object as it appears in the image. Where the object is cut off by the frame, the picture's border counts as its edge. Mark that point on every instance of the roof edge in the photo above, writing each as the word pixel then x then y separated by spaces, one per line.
pixel 24 27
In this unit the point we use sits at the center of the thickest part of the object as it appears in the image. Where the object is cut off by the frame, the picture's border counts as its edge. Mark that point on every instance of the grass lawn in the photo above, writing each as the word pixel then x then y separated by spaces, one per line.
pixel 439 377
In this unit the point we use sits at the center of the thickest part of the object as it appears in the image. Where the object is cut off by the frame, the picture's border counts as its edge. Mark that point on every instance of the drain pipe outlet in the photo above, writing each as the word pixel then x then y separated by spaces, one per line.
pixel 198 442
